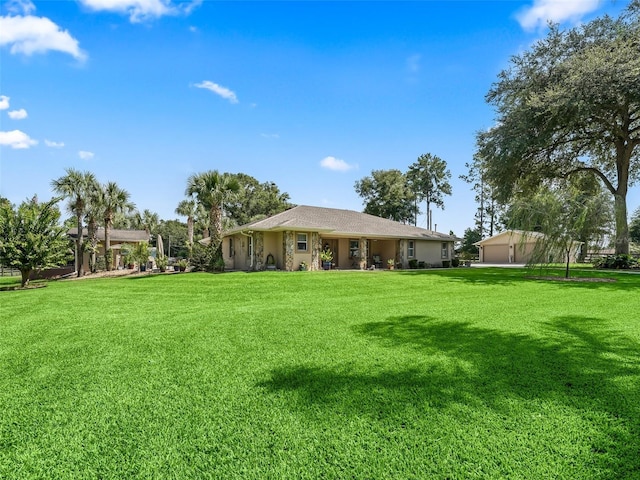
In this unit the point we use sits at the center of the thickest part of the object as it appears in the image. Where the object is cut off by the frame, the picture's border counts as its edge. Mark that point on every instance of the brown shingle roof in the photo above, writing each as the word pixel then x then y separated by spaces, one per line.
pixel 116 235
pixel 340 222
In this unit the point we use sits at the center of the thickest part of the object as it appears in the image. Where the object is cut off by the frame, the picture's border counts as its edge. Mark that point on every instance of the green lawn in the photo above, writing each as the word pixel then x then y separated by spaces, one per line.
pixel 457 373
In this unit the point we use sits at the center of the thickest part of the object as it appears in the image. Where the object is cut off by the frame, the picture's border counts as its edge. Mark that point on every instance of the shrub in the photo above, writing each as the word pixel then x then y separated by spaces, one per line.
pixel 100 263
pixel 621 261
pixel 413 263
pixel 201 258
pixel 455 262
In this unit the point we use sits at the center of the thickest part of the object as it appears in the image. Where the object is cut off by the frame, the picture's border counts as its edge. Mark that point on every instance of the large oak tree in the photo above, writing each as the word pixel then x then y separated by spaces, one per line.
pixel 571 103
pixel 255 200
pixel 387 194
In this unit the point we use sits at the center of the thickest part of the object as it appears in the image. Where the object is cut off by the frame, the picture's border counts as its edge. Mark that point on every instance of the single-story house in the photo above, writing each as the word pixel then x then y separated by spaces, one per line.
pixel 516 246
pixel 117 239
pixel 357 240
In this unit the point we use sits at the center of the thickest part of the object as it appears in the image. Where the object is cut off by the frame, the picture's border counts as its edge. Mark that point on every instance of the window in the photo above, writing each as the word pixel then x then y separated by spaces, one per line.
pixel 411 249
pixel 354 248
pixel 232 251
pixel 445 250
pixel 301 242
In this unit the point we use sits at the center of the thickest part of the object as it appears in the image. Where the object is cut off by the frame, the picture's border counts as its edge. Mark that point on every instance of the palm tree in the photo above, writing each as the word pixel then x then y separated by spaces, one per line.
pixel 201 221
pixel 212 190
pixel 77 187
pixel 93 213
pixel 113 200
pixel 147 220
pixel 188 208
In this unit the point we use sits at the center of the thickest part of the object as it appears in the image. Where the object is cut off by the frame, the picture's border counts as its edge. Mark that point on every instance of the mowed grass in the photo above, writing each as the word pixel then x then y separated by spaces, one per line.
pixel 458 374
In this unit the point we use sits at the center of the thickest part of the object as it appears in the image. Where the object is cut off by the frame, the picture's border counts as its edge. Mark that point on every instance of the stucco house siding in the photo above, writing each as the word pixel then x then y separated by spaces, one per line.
pixel 515 246
pixel 357 240
pixel 431 252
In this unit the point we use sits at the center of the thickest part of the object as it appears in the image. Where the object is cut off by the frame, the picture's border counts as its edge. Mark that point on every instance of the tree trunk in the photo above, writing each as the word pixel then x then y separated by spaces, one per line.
pixel 189 232
pixel 622 227
pixel 79 247
pixel 216 228
pixel 24 277
pixel 93 238
pixel 107 245
pixel 624 150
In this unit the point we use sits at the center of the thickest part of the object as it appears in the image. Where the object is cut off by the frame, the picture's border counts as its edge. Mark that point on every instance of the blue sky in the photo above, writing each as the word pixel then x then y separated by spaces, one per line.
pixel 310 95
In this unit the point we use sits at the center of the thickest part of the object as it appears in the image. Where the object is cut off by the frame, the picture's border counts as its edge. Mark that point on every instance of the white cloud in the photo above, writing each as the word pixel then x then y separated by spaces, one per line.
pixel 270 135
pixel 141 10
pixel 332 163
pixel 52 144
pixel 84 155
pixel 19 7
pixel 29 35
pixel 188 7
pixel 18 114
pixel 557 11
pixel 16 139
pixel 4 102
pixel 224 92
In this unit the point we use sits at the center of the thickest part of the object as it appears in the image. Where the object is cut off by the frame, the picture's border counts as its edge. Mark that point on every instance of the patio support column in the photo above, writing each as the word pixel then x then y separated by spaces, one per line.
pixel 401 249
pixel 259 250
pixel 316 247
pixel 289 243
pixel 364 254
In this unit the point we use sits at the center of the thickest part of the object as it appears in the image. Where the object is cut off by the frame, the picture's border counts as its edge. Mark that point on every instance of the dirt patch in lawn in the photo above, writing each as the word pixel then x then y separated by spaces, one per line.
pixel 18 287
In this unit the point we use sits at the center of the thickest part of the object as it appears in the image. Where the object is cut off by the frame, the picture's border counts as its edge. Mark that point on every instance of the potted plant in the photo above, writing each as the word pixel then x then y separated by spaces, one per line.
pixel 390 263
pixel 326 256
pixel 162 263
pixel 182 265
pixel 127 256
pixel 140 253
pixel 303 266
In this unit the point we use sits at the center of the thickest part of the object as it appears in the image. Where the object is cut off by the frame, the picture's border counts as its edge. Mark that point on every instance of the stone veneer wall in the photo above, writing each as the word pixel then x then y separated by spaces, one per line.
pixel 364 254
pixel 401 251
pixel 259 250
pixel 316 246
pixel 289 248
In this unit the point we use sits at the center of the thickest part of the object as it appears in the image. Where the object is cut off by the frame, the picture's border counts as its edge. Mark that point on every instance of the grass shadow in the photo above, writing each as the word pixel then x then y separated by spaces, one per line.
pixel 578 363
pixel 483 276
pixel 601 280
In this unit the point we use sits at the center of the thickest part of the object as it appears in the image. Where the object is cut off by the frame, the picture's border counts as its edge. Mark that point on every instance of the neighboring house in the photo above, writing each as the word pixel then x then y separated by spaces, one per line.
pixel 118 238
pixel 357 241
pixel 516 246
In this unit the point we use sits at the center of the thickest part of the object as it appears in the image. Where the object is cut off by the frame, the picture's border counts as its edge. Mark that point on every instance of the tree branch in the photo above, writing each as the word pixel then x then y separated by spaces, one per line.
pixel 597 172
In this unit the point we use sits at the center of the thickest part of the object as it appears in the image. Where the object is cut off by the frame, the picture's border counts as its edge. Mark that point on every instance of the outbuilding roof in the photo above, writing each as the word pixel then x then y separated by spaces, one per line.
pixel 333 221
pixel 508 236
pixel 115 234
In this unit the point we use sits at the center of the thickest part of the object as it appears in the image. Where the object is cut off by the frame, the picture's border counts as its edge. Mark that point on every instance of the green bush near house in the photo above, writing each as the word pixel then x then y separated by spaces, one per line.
pixel 621 261
pixel 440 373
